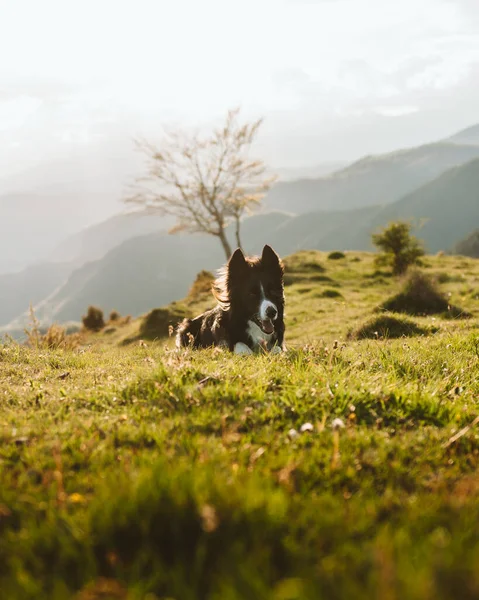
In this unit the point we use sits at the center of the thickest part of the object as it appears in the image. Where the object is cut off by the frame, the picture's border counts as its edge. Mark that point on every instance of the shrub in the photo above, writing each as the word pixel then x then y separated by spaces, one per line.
pixel 114 316
pixel 57 337
pixel 328 293
pixel 157 323
pixel 93 320
pixel 201 285
pixel 447 278
pixel 53 338
pixel 420 296
pixel 313 266
pixel 400 248
pixel 336 255
pixel 388 327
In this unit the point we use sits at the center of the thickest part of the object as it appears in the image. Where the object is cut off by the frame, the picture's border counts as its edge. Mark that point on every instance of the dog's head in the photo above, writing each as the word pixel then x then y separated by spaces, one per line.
pixel 255 287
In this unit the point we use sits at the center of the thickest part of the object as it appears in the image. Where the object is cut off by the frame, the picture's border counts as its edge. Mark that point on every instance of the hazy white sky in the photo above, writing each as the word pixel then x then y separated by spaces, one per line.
pixel 334 78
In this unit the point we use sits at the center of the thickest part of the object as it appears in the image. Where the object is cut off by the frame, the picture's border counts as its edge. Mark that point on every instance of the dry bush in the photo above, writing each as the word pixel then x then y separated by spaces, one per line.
pixel 421 296
pixel 93 320
pixel 201 285
pixel 114 316
pixel 157 323
pixel 57 337
pixel 388 327
pixel 53 338
pixel 328 293
pixel 336 255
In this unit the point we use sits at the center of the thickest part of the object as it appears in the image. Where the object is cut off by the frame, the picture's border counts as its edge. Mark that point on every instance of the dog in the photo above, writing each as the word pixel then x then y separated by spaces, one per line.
pixel 249 316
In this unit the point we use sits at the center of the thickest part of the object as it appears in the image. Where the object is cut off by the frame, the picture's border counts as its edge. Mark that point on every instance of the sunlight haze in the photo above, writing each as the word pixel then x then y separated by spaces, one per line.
pixel 78 73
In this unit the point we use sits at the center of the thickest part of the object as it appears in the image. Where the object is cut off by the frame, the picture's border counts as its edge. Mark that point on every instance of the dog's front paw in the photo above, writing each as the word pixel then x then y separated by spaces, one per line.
pixel 276 350
pixel 241 348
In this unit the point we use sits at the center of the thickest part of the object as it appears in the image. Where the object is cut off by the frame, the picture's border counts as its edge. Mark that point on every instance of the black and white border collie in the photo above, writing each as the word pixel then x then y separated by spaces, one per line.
pixel 249 316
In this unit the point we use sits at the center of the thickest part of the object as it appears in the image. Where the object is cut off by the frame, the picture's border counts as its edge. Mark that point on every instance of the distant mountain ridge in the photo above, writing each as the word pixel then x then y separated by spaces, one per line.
pixel 130 263
pixel 442 211
pixel 466 136
pixel 469 246
pixel 371 180
pixel 154 269
pixel 95 241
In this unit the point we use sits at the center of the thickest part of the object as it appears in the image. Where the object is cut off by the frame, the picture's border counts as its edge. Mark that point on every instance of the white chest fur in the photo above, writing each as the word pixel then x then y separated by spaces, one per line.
pixel 257 335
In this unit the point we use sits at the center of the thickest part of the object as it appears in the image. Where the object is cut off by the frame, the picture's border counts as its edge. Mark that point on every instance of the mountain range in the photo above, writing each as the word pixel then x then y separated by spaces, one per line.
pixel 373 180
pixel 130 263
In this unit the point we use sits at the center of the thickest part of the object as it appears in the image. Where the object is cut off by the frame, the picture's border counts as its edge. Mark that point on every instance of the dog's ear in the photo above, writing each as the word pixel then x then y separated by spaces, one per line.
pixel 270 259
pixel 237 262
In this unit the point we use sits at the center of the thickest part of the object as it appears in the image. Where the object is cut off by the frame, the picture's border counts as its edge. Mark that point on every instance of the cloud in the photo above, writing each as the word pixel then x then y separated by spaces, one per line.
pixel 395 111
pixel 306 65
pixel 16 111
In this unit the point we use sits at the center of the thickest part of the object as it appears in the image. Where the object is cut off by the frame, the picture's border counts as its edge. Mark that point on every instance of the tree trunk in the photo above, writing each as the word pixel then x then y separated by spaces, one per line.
pixel 237 232
pixel 225 244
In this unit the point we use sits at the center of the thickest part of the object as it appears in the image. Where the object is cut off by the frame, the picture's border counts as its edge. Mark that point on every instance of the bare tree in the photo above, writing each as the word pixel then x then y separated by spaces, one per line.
pixel 205 182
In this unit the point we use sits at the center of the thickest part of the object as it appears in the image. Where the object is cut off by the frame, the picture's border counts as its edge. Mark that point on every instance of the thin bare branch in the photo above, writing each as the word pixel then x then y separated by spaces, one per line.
pixel 205 182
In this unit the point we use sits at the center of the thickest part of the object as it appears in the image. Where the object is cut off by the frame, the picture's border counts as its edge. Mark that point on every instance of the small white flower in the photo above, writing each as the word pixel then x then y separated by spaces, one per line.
pixel 293 434
pixel 306 427
pixel 338 424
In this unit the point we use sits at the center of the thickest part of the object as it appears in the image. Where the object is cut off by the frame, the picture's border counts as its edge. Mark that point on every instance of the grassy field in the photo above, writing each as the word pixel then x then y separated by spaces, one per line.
pixel 341 469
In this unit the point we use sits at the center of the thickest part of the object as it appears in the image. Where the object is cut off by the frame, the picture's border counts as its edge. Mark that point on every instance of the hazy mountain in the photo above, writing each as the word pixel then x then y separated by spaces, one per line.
pixel 18 290
pixel 94 242
pixel 83 189
pixel 45 204
pixel 467 136
pixel 445 210
pixel 469 246
pixel 323 230
pixel 141 273
pixel 152 270
pixel 32 225
pixel 372 180
pixel 36 282
pixel 131 275
pixel 319 170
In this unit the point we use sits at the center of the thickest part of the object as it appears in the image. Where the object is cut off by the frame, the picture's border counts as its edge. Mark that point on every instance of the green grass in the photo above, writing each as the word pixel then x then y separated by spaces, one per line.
pixel 139 472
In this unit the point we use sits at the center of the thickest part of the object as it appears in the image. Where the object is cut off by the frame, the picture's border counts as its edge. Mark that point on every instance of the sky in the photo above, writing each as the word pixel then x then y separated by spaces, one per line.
pixel 334 79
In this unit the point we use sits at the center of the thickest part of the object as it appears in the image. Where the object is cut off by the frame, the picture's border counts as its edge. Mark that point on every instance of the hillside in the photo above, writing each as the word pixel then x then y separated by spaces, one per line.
pixel 469 246
pixel 32 225
pixel 95 241
pixel 140 272
pixel 322 230
pixel 445 209
pixel 319 170
pixel 101 280
pixel 372 180
pixel 154 269
pixel 442 210
pixel 467 136
pixel 341 469
pixel 30 286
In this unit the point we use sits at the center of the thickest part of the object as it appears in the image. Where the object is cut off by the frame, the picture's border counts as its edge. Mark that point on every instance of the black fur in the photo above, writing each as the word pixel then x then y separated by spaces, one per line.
pixel 235 290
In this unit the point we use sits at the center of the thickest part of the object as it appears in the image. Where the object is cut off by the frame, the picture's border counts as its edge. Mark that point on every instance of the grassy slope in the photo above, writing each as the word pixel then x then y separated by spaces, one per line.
pixel 133 470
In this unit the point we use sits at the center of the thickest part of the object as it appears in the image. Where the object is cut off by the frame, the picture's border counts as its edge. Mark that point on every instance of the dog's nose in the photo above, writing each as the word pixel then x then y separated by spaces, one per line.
pixel 271 312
